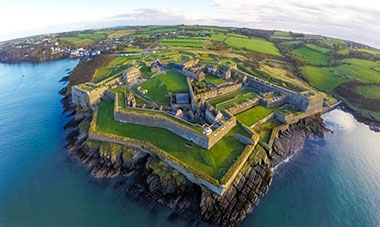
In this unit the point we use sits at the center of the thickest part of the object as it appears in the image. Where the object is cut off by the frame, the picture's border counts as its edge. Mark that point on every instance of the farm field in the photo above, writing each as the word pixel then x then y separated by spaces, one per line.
pixel 93 36
pixel 310 56
pixel 322 78
pixel 359 69
pixel 254 44
pixel 121 33
pixel 221 37
pixel 195 43
pixel 318 48
pixel 214 162
pixel 253 115
pixel 369 91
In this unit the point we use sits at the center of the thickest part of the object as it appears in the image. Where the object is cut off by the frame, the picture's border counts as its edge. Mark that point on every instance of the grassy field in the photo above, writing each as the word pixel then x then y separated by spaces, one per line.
pixel 254 44
pixel 121 33
pixel 322 78
pixel 221 37
pixel 76 41
pixel 160 86
pixel 197 43
pixel 359 69
pixel 214 79
pixel 310 56
pixel 214 162
pixel 253 115
pixel 93 36
pixel 103 73
pixel 265 130
pixel 318 48
pixel 132 50
pixel 228 100
pixel 369 91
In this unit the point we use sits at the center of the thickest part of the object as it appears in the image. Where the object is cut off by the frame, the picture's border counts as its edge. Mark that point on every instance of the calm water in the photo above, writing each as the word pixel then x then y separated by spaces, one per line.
pixel 333 182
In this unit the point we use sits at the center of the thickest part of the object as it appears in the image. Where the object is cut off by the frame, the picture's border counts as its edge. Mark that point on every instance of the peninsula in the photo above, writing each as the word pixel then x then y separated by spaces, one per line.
pixel 201 115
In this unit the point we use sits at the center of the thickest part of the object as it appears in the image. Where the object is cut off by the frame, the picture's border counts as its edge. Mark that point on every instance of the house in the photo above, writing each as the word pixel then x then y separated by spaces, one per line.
pixel 130 100
pixel 212 115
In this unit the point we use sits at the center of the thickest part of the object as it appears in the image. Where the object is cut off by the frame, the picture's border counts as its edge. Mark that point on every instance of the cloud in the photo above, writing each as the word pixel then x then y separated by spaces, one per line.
pixel 348 20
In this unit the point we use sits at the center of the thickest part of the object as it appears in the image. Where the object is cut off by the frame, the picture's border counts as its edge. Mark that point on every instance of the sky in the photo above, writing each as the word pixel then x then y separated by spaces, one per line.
pixel 347 19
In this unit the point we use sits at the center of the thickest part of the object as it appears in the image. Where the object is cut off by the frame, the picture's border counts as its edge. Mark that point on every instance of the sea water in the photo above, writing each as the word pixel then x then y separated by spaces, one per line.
pixel 333 182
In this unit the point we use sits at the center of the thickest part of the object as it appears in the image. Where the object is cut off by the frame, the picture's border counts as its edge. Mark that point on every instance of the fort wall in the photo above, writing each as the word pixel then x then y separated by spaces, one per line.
pixel 239 108
pixel 217 91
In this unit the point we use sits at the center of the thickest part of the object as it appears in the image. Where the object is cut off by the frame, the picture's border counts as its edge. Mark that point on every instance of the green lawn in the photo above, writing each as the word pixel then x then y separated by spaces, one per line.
pixel 253 115
pixel 322 78
pixel 214 162
pixel 132 50
pixel 310 56
pixel 254 44
pixel 160 86
pixel 214 79
pixel 318 48
pixel 189 42
pixel 369 91
pixel 76 41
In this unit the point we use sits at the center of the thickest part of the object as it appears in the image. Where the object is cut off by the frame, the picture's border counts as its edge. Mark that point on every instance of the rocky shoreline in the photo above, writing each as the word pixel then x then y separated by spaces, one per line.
pixel 372 123
pixel 190 201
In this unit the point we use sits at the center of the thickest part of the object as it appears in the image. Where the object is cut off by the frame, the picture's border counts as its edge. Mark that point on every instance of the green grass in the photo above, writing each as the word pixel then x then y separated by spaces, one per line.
pixel 228 100
pixel 254 44
pixel 221 37
pixel 369 51
pixel 132 50
pixel 160 86
pixel 76 41
pixel 265 130
pixel 93 36
pixel 310 57
pixel 322 78
pixel 106 72
pixel 369 91
pixel 345 51
pixel 214 162
pixel 318 48
pixel 190 42
pixel 214 79
pixel 253 115
pixel 359 69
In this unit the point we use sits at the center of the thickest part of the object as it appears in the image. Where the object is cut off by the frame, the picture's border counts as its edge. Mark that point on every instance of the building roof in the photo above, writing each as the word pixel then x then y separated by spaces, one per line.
pixel 182 98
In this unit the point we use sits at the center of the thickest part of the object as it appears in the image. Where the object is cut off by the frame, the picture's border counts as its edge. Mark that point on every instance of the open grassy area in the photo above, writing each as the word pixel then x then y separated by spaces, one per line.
pixel 253 115
pixel 265 130
pixel 369 91
pixel 254 44
pixel 160 86
pixel 221 37
pixel 214 79
pixel 132 50
pixel 93 36
pixel 214 162
pixel 228 100
pixel 310 56
pixel 318 48
pixel 363 70
pixel 76 41
pixel 121 33
pixel 322 78
pixel 106 72
pixel 189 42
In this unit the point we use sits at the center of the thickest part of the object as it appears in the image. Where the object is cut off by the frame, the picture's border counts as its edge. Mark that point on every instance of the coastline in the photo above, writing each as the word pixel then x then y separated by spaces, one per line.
pixel 190 202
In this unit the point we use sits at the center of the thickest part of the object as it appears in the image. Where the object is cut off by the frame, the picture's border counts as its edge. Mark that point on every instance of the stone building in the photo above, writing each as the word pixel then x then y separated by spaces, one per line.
pixel 156 67
pixel 131 74
pixel 212 115
pixel 130 100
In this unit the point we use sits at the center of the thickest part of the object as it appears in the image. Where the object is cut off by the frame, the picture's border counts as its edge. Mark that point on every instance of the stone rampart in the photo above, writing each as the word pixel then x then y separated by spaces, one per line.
pixel 239 108
pixel 161 122
pixel 221 131
pixel 217 92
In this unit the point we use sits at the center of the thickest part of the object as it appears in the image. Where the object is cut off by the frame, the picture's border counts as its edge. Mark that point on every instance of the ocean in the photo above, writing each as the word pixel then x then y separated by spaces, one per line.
pixel 334 181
